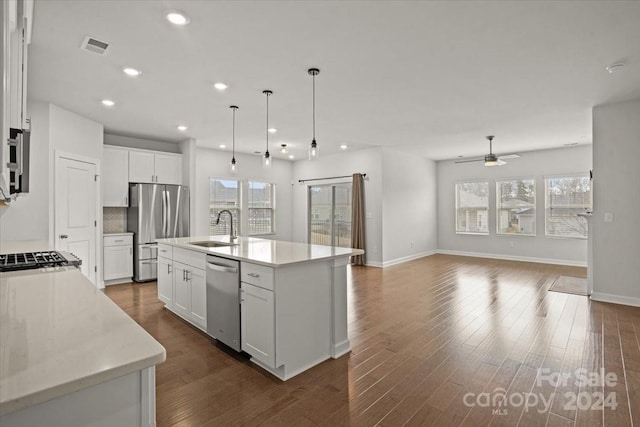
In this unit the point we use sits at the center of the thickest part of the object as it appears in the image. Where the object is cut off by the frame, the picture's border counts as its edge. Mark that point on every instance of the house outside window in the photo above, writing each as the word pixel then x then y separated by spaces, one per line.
pixel 472 207
pixel 516 207
pixel 224 194
pixel 261 207
pixel 566 196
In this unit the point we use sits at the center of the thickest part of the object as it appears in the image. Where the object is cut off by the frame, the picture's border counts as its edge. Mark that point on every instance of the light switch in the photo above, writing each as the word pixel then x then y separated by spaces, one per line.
pixel 608 217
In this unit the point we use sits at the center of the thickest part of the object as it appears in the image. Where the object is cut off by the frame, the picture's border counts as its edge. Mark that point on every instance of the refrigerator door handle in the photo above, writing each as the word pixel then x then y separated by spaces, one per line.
pixel 165 209
pixel 169 234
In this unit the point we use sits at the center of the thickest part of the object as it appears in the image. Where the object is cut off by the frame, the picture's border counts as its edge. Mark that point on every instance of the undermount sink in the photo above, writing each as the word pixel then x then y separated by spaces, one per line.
pixel 212 244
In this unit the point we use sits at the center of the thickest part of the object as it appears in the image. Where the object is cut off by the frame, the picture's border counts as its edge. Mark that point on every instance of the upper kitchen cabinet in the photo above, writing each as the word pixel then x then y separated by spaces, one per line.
pixel 115 190
pixel 154 167
pixel 17 36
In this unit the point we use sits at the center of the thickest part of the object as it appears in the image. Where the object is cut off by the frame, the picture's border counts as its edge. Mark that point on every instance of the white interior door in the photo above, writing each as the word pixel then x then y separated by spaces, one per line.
pixel 75 212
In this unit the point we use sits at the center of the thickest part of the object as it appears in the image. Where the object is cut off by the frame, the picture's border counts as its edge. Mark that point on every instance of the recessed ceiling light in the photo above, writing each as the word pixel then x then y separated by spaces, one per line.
pixel 182 128
pixel 614 67
pixel 343 147
pixel 220 86
pixel 176 17
pixel 291 156
pixel 222 146
pixel 272 130
pixel 108 103
pixel 131 72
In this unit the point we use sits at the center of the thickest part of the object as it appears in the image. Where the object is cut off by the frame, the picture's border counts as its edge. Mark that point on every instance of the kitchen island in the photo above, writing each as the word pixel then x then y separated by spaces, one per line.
pixel 68 354
pixel 293 296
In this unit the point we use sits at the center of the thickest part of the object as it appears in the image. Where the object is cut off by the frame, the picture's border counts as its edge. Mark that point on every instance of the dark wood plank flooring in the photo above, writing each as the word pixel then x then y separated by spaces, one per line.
pixel 430 340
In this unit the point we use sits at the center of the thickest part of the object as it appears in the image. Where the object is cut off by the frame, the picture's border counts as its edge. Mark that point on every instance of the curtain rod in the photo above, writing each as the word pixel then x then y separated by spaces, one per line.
pixel 330 177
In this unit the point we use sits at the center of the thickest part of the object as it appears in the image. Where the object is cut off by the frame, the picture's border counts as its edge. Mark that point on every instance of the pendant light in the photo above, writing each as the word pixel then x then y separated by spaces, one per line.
pixel 314 151
pixel 233 166
pixel 266 159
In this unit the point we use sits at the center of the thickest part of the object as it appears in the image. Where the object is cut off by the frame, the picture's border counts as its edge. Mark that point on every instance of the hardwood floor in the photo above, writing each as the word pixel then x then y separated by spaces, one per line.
pixel 428 338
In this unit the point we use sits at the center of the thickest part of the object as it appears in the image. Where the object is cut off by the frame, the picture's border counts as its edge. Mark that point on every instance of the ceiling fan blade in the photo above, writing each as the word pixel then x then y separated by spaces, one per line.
pixel 509 156
pixel 469 161
pixel 501 162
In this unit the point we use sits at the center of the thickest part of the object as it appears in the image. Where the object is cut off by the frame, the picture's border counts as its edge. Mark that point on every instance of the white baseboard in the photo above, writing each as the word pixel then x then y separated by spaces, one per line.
pixel 616 299
pixel 340 349
pixel 373 264
pixel 407 258
pixel 515 258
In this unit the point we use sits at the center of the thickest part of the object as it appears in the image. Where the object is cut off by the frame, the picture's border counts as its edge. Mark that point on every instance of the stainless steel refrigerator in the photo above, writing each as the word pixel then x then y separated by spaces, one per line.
pixel 156 211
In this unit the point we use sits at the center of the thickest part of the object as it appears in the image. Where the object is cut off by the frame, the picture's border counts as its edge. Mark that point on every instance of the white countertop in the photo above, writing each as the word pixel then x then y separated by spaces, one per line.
pixel 272 253
pixel 59 334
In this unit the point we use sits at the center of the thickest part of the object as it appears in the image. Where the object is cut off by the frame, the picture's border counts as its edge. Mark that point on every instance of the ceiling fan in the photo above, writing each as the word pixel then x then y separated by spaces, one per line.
pixel 491 159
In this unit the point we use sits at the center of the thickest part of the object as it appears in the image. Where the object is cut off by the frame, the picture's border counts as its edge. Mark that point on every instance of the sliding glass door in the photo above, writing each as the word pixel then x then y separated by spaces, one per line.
pixel 330 215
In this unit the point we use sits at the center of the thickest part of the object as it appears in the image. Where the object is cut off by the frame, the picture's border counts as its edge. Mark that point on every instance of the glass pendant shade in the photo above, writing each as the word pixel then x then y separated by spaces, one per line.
pixel 266 160
pixel 233 166
pixel 314 150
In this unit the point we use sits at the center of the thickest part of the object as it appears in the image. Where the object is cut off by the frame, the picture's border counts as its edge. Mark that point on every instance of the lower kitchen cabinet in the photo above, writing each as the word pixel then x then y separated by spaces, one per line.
pixel 258 323
pixel 165 281
pixel 118 258
pixel 189 294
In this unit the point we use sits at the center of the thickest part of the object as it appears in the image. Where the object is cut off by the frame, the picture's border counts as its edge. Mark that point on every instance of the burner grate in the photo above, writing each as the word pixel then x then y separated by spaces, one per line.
pixel 30 260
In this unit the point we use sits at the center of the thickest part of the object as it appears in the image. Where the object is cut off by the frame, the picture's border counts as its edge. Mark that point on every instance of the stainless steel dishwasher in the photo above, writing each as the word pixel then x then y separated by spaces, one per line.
pixel 223 300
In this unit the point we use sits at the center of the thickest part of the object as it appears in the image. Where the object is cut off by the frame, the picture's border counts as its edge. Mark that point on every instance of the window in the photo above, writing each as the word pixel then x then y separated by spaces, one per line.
pixel 516 207
pixel 472 207
pixel 567 196
pixel 330 215
pixel 261 207
pixel 224 194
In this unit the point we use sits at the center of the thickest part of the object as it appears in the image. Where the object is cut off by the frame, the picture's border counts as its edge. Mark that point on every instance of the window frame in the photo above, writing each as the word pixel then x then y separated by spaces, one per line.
pixel 546 203
pixel 498 204
pixel 456 207
pixel 238 219
pixel 273 207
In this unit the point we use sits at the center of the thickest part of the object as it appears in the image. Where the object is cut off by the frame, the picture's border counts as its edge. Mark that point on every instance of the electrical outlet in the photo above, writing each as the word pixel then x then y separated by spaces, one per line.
pixel 608 217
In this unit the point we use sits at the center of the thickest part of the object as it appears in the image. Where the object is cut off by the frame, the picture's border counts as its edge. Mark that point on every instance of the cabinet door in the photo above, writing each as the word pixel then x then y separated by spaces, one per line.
pixel 198 297
pixel 181 291
pixel 165 281
pixel 115 177
pixel 257 316
pixel 118 262
pixel 141 166
pixel 168 169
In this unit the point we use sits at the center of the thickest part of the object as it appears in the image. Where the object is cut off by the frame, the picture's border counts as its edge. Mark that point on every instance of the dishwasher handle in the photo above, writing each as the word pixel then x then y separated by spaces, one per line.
pixel 221 268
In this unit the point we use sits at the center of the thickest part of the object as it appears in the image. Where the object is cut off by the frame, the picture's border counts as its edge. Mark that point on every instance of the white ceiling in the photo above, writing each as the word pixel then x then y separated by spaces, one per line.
pixel 429 77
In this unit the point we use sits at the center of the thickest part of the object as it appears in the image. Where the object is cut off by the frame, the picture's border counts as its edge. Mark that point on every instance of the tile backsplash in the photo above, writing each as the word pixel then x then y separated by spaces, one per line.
pixel 114 220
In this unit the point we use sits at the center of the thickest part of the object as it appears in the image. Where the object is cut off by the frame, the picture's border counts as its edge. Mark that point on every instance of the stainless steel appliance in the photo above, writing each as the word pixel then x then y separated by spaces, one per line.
pixel 37 260
pixel 156 211
pixel 223 300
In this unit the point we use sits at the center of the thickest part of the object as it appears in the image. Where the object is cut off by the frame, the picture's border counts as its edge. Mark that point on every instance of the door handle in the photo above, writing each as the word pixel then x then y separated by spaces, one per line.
pixel 222 268
pixel 64 236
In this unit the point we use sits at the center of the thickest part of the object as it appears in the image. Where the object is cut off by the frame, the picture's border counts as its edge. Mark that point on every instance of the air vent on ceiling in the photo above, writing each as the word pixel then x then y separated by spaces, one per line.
pixel 94 45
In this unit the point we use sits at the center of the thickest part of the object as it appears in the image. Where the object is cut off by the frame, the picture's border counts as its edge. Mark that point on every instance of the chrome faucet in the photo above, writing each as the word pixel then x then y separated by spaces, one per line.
pixel 232 234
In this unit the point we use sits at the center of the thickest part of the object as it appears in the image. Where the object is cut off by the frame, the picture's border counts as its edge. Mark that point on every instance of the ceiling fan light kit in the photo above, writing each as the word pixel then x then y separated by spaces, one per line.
pixel 491 159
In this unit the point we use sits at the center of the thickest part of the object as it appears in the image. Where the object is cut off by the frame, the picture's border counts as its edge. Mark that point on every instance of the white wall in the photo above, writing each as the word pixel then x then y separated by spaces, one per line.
pixel 188 150
pixel 32 208
pixel 616 180
pixel 367 161
pixel 409 226
pixel 215 164
pixel 538 164
pixel 142 143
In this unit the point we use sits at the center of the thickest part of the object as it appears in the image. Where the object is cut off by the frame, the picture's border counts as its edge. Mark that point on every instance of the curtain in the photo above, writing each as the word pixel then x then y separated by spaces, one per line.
pixel 357 218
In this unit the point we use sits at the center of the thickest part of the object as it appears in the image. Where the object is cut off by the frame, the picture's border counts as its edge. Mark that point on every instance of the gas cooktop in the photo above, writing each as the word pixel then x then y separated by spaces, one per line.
pixel 34 260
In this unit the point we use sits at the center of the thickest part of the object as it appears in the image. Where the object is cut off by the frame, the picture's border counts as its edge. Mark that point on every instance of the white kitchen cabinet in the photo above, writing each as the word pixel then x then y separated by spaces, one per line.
pixel 115 177
pixel 118 258
pixel 257 323
pixel 189 292
pixel 154 167
pixel 141 166
pixel 168 168
pixel 181 290
pixel 165 281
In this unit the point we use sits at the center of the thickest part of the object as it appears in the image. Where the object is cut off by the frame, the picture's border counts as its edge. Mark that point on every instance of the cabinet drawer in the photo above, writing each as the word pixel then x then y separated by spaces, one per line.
pixel 258 275
pixel 118 240
pixel 165 250
pixel 192 258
